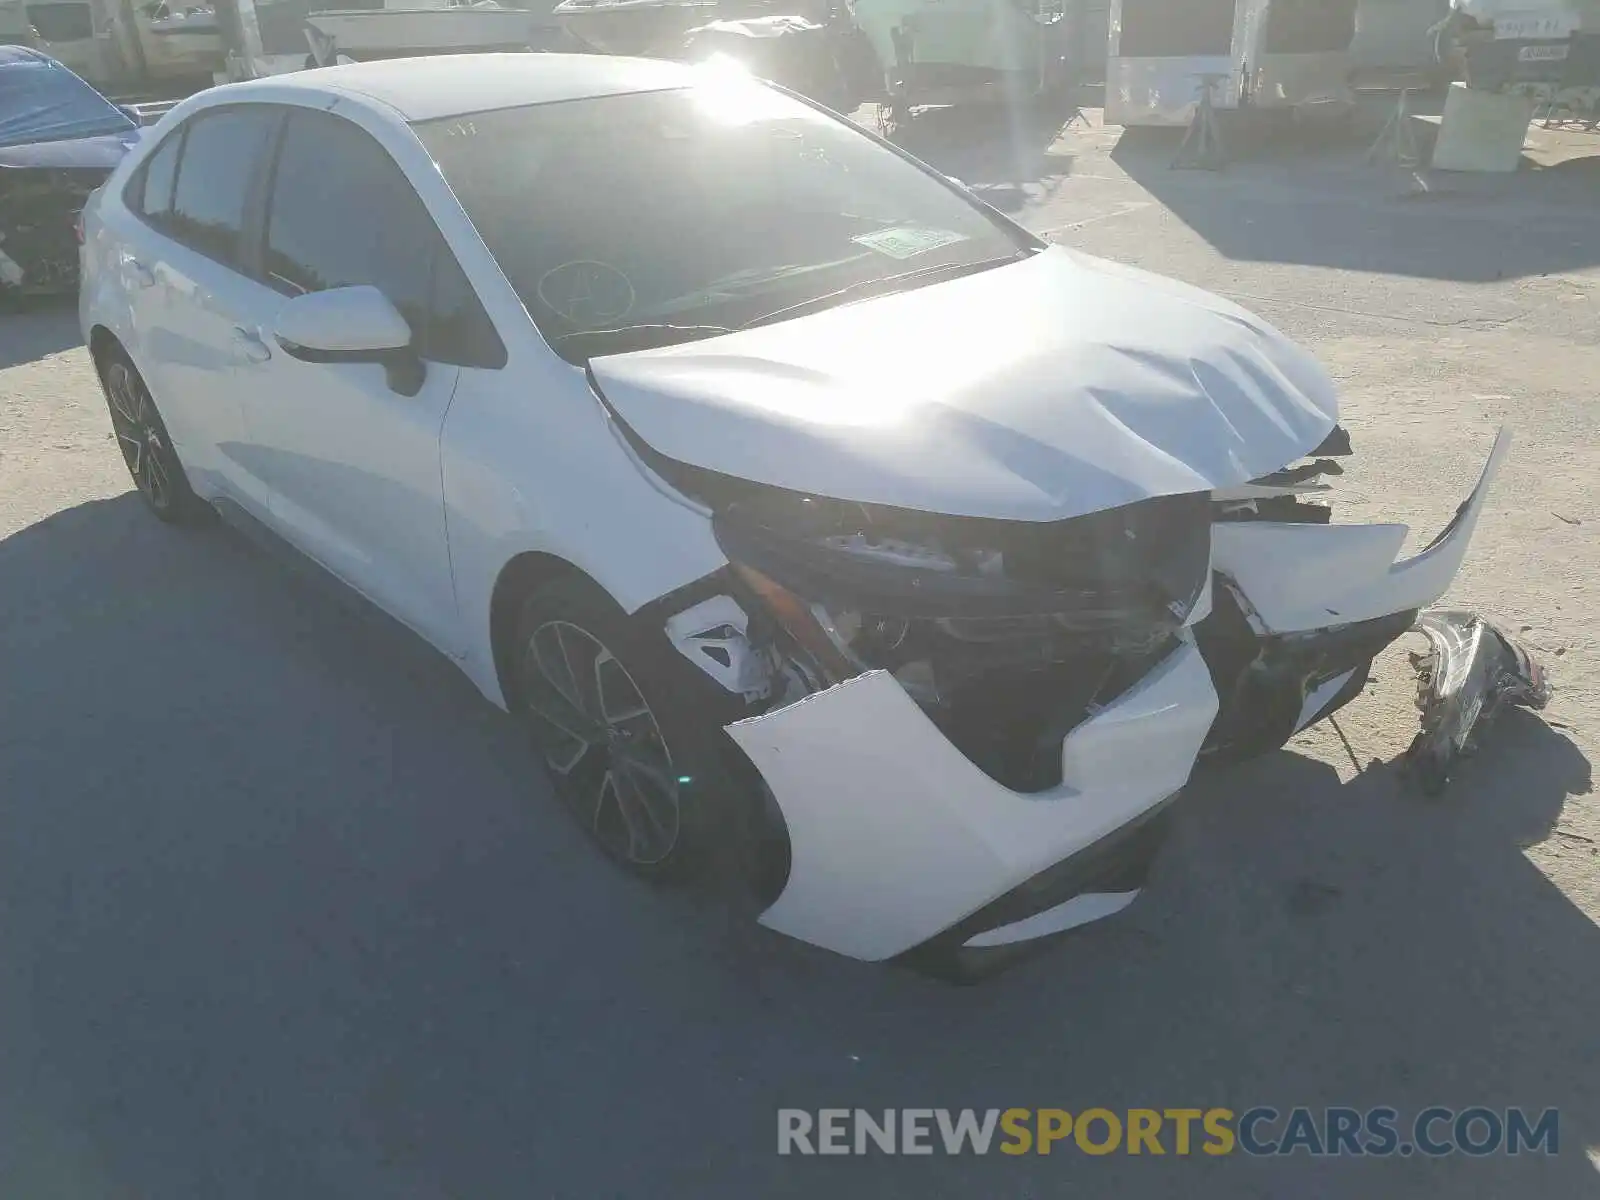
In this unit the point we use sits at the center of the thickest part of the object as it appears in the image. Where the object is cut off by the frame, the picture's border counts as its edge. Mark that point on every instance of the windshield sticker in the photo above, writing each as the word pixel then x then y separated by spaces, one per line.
pixel 902 242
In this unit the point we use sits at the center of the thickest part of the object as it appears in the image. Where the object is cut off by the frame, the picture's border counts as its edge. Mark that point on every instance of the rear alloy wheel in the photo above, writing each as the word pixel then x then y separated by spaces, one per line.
pixel 146 448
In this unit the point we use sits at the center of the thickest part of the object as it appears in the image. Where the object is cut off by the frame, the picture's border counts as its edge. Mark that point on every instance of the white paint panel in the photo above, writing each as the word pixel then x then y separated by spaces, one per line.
pixel 1302 577
pixel 1044 389
pixel 896 835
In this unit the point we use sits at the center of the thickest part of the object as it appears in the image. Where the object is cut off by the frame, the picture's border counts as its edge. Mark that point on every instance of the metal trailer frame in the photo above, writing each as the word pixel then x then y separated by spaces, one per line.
pixel 1165 91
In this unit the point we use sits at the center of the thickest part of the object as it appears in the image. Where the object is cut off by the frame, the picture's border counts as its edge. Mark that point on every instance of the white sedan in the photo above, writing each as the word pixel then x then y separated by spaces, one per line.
pixel 814 516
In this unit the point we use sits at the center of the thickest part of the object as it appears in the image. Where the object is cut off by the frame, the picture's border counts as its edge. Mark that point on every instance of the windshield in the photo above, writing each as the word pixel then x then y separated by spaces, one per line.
pixel 42 101
pixel 682 213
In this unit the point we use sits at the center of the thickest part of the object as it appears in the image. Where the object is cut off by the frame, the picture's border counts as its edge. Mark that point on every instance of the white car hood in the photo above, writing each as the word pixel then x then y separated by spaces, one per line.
pixel 1054 387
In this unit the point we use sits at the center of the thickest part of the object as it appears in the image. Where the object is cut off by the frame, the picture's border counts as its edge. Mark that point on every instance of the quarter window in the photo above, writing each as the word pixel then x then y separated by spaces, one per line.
pixel 157 179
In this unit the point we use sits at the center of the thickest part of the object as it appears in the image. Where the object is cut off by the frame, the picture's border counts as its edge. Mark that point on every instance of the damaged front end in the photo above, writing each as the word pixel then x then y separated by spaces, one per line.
pixel 39 207
pixel 970 729
pixel 944 710
pixel 1007 634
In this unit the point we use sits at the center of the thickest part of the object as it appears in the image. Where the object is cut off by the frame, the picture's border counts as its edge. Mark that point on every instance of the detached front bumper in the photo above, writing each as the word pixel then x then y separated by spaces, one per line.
pixel 901 846
pixel 895 836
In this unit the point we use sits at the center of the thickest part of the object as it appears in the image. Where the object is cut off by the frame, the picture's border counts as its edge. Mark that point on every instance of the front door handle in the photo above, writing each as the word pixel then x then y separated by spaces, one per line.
pixel 251 344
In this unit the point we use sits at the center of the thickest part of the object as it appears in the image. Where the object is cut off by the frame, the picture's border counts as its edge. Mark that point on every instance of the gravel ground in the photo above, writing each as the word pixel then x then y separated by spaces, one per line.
pixel 286 912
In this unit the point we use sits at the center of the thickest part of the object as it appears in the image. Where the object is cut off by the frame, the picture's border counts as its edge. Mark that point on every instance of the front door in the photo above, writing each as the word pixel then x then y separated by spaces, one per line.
pixel 351 466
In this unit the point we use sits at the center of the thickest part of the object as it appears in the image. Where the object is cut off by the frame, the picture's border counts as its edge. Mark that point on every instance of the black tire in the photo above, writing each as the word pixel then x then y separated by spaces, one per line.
pixel 146 447
pixel 642 772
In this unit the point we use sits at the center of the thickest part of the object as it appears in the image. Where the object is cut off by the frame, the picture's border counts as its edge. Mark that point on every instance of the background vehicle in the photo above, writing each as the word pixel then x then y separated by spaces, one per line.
pixel 59 139
pixel 1265 54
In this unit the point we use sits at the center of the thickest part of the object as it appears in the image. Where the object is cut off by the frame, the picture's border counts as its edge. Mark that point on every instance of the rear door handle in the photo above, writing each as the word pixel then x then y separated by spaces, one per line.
pixel 251 344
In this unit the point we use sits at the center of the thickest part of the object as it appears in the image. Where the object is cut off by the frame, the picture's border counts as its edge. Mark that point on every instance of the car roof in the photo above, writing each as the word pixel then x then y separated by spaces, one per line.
pixel 449 85
pixel 10 56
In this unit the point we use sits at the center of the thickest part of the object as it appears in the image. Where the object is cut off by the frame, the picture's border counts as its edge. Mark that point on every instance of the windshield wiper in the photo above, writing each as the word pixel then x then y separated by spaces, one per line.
pixel 868 288
pixel 584 344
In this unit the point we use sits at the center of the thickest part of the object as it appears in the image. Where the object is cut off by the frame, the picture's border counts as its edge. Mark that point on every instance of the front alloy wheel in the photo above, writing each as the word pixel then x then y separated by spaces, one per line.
pixel 602 742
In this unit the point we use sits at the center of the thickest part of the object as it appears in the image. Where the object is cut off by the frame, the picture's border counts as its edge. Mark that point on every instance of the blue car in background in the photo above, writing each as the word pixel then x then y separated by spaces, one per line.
pixel 59 139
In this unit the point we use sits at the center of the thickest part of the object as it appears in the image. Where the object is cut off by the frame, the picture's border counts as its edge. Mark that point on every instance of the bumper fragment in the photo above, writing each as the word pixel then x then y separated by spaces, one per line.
pixel 1304 577
pixel 896 836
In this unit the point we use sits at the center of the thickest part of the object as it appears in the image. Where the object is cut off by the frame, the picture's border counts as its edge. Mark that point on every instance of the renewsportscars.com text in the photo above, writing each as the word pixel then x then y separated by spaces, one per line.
pixel 1260 1131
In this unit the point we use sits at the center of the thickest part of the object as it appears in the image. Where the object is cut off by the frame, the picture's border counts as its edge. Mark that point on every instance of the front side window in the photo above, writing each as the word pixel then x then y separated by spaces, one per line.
pixel 697 209
pixel 221 153
pixel 343 214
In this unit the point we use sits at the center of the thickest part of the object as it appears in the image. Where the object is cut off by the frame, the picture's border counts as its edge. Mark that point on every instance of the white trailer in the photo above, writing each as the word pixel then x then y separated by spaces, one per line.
pixel 1273 54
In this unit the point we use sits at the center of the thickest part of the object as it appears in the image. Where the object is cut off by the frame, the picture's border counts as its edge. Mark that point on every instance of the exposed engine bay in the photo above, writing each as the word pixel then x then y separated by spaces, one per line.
pixel 1009 634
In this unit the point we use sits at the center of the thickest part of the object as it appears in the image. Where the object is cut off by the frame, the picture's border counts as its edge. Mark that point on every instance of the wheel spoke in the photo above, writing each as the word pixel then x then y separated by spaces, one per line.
pixel 647 837
pixel 142 477
pixel 132 454
pixel 563 750
pixel 551 658
pixel 606 830
pixel 571 730
pixel 580 652
pixel 636 797
pixel 602 742
pixel 618 699
pixel 158 473
pixel 124 399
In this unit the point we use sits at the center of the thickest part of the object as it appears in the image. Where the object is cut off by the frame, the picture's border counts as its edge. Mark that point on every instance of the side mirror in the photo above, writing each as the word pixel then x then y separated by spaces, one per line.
pixel 351 325
pixel 132 113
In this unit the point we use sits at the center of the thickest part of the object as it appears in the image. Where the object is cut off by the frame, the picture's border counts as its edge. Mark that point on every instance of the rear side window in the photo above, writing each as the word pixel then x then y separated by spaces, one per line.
pixel 342 213
pixel 221 152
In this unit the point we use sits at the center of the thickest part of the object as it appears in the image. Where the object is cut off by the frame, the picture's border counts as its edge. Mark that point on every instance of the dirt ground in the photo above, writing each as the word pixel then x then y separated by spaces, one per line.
pixel 282 917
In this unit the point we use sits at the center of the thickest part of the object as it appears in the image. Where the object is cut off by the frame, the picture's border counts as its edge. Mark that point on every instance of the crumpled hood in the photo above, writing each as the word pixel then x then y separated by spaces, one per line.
pixel 1046 389
pixel 105 150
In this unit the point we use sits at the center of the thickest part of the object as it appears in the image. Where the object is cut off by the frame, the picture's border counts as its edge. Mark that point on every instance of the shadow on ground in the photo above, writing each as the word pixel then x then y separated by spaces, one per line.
pixel 36 329
pixel 1308 196
pixel 288 913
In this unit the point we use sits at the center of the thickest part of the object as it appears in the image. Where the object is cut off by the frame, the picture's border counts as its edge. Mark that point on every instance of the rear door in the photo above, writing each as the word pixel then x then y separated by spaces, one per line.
pixel 351 466
pixel 185 263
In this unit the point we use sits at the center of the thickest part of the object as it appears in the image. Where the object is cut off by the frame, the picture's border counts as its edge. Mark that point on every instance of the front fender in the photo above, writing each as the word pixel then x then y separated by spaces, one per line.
pixel 559 481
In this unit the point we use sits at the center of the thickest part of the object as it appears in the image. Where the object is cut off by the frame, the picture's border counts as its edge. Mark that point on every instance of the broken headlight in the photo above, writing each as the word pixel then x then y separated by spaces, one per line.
pixel 941 601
